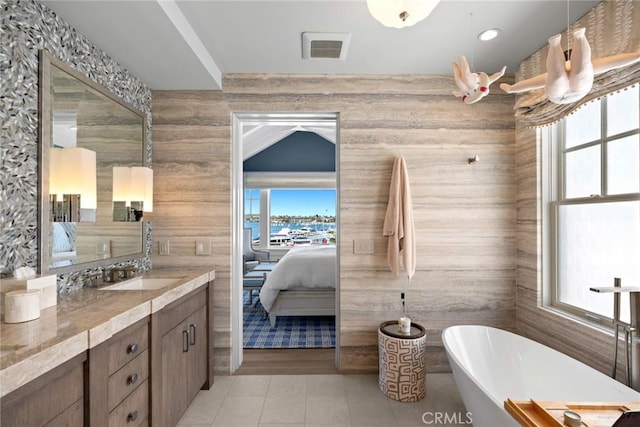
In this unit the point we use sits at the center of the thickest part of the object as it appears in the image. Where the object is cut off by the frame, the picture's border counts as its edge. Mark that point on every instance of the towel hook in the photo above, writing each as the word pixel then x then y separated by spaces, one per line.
pixel 474 159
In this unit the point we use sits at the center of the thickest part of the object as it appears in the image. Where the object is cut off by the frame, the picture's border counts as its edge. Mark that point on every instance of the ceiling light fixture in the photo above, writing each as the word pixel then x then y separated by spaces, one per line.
pixel 401 13
pixel 489 34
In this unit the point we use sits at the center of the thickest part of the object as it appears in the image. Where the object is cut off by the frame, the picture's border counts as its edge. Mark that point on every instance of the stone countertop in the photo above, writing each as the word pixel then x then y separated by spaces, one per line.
pixel 80 321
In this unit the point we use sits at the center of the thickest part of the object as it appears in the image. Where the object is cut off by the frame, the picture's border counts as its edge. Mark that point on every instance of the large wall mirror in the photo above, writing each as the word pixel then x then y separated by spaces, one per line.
pixel 76 113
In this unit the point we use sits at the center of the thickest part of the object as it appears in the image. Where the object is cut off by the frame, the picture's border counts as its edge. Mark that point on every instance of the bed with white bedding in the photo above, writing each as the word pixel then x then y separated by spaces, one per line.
pixel 63 244
pixel 302 283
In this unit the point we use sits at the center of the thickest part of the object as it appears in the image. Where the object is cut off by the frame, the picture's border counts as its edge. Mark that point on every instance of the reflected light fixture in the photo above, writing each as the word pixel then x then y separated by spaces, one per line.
pixel 400 13
pixel 489 34
pixel 72 184
pixel 132 193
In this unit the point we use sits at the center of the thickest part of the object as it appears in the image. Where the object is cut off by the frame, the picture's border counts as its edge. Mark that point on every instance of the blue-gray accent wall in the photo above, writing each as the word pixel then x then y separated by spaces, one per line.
pixel 298 152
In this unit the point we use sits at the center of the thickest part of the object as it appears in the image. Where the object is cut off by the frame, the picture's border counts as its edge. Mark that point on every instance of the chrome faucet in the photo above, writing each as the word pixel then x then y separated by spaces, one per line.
pixel 92 280
pixel 631 338
pixel 113 275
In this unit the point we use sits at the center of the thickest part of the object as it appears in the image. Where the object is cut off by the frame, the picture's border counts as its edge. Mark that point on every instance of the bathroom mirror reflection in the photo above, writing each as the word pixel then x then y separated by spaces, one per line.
pixel 76 113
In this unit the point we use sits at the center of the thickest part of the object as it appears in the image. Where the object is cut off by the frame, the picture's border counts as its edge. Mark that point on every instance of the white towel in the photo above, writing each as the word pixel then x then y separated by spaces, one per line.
pixel 398 222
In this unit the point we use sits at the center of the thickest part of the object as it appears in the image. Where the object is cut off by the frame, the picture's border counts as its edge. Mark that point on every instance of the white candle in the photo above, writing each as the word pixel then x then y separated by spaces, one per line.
pixel 404 324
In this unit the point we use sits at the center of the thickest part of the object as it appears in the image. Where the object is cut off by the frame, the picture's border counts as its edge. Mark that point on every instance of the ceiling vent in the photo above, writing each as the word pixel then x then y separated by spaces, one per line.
pixel 325 45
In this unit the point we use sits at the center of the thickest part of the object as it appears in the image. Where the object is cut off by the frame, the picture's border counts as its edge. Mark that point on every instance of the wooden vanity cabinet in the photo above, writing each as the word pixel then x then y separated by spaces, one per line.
pixel 56 398
pixel 118 386
pixel 181 349
pixel 145 375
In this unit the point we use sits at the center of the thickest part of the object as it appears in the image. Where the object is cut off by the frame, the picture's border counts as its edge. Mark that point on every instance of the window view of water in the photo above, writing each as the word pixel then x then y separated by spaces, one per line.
pixel 296 233
pixel 298 217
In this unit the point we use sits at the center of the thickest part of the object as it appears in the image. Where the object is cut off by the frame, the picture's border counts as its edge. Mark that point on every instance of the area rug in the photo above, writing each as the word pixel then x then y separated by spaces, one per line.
pixel 289 332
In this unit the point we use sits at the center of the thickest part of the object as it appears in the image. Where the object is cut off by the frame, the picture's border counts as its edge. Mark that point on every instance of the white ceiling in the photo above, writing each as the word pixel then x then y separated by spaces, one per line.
pixel 180 44
pixel 188 45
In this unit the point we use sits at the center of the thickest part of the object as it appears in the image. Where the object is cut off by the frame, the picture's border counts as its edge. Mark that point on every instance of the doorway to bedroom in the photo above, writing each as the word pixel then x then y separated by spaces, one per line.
pixel 285 234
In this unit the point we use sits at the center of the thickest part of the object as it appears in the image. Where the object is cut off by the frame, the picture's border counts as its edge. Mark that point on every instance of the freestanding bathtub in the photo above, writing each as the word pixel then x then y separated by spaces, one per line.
pixel 490 365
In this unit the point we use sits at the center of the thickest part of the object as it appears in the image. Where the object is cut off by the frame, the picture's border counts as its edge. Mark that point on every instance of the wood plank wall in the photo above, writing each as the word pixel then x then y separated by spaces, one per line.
pixel 115 134
pixel 465 215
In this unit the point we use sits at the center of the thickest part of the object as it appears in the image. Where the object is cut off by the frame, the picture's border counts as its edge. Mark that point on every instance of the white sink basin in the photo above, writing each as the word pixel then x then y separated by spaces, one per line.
pixel 139 284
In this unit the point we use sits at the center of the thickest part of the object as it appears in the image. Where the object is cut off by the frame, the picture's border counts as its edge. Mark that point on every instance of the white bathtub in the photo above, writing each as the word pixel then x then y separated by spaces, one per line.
pixel 489 365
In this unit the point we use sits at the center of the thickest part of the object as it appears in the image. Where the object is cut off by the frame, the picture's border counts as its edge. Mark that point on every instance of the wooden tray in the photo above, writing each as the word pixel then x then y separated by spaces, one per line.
pixel 551 414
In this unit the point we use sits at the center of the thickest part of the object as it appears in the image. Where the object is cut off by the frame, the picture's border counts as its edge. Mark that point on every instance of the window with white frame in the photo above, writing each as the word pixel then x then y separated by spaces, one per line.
pixel 252 212
pixel 592 200
pixel 281 214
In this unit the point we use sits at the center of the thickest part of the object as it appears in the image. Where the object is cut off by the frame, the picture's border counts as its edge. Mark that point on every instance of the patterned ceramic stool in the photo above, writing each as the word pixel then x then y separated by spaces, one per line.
pixel 402 370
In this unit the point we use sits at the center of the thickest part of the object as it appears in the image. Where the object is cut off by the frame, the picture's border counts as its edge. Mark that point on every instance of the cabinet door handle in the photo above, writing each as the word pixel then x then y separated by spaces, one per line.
pixel 185 341
pixel 192 330
pixel 132 348
pixel 133 416
pixel 132 379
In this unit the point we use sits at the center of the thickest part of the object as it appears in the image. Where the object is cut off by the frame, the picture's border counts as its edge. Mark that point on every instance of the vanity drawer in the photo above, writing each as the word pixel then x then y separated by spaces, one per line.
pixel 126 347
pixel 125 380
pixel 134 410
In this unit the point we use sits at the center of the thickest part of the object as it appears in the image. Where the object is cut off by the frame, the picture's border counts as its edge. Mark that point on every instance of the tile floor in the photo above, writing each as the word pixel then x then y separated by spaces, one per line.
pixel 320 400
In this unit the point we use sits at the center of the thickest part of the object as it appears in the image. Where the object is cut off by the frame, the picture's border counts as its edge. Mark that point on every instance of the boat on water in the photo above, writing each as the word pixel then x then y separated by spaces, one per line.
pixel 304 231
pixel 314 238
pixel 280 238
pixel 300 237
pixel 287 236
pixel 300 241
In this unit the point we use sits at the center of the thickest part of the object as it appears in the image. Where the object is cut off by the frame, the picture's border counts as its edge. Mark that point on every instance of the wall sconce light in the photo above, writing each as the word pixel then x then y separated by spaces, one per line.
pixel 400 13
pixel 72 184
pixel 132 193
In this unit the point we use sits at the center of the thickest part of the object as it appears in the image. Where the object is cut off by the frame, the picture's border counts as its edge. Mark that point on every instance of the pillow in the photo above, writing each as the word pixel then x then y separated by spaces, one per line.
pixel 60 241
